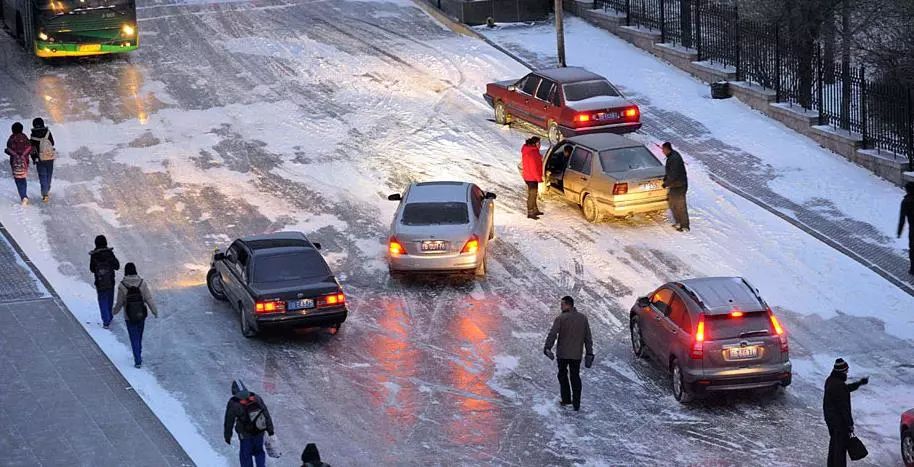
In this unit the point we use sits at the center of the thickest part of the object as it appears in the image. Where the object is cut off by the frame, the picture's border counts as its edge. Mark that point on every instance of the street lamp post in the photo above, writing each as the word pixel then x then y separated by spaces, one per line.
pixel 560 32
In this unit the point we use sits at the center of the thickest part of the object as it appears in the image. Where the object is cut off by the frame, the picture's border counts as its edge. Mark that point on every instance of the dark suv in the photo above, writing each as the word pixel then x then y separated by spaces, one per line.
pixel 712 334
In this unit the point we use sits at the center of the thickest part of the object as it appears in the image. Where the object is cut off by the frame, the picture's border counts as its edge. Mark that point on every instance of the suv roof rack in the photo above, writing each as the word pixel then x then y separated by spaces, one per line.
pixel 692 294
pixel 754 292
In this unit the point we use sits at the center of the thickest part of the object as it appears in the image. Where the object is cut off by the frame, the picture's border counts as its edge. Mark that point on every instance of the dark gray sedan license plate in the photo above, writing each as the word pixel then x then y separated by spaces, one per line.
pixel 434 245
pixel 293 305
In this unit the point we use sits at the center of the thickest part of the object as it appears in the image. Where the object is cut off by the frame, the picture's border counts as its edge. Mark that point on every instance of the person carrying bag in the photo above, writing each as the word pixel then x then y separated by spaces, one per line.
pixel 134 297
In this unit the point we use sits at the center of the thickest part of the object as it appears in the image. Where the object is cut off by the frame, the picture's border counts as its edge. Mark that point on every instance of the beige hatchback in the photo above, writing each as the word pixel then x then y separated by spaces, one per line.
pixel 607 175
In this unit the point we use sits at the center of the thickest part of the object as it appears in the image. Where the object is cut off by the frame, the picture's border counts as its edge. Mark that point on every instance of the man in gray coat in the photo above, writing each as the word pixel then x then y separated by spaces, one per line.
pixel 677 183
pixel 573 332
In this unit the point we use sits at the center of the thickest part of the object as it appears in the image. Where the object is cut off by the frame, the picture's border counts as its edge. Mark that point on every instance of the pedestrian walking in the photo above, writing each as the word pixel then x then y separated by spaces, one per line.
pixel 532 170
pixel 248 414
pixel 677 183
pixel 836 406
pixel 19 149
pixel 134 297
pixel 907 213
pixel 103 263
pixel 573 332
pixel 311 457
pixel 43 155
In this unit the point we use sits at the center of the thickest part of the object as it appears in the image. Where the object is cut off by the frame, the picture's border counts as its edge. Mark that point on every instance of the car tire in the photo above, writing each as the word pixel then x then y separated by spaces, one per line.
pixel 907 447
pixel 215 285
pixel 590 209
pixel 637 339
pixel 680 391
pixel 480 270
pixel 501 114
pixel 555 135
pixel 246 329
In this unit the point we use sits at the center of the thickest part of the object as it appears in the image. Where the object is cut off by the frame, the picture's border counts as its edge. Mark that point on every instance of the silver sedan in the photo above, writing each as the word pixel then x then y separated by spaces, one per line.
pixel 441 227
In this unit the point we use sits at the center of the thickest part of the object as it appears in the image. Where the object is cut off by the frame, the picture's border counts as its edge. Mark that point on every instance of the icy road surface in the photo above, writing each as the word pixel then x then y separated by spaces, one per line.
pixel 248 117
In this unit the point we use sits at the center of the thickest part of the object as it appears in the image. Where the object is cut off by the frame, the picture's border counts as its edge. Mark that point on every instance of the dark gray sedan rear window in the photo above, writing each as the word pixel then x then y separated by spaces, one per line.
pixel 625 159
pixel 299 266
pixel 435 214
pixel 588 89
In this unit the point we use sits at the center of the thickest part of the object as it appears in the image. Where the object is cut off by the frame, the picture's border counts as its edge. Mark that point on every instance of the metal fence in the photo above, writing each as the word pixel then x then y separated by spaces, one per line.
pixel 845 96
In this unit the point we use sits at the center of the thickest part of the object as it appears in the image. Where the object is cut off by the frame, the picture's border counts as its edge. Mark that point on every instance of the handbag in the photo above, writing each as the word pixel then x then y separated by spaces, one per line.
pixel 855 448
pixel 271 447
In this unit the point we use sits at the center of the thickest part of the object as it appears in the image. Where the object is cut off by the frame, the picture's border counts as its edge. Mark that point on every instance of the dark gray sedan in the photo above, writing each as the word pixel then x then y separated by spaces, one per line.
pixel 607 175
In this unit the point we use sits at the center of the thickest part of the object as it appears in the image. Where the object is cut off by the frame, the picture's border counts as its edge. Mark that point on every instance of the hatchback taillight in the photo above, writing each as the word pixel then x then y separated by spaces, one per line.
pixel 779 331
pixel 698 340
pixel 334 299
pixel 620 188
pixel 270 306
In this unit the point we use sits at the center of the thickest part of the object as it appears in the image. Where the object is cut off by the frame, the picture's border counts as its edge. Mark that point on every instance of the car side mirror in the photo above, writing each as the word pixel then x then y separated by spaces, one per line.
pixel 316 245
pixel 490 195
pixel 218 256
pixel 644 302
pixel 395 197
pixel 512 88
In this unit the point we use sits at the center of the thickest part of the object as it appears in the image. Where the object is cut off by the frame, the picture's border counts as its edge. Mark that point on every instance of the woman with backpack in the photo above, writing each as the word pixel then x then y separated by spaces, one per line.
pixel 43 155
pixel 134 297
pixel 19 148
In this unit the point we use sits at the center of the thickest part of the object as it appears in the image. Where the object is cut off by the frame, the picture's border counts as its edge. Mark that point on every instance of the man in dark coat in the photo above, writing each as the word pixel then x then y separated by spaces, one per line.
pixel 907 213
pixel 103 263
pixel 246 411
pixel 677 183
pixel 836 406
pixel 573 332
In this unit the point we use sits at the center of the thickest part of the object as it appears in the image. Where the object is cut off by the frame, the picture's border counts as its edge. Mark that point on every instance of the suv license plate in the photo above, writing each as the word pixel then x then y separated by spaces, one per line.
pixel 742 353
pixel 434 245
pixel 300 304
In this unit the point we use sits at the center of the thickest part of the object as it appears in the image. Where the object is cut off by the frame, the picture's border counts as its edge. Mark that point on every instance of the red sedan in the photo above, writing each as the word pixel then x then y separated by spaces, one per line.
pixel 564 102
pixel 907 438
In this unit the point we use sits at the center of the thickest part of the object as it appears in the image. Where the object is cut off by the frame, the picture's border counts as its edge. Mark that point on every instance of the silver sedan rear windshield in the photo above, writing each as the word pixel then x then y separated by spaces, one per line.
pixel 625 159
pixel 588 89
pixel 300 266
pixel 435 214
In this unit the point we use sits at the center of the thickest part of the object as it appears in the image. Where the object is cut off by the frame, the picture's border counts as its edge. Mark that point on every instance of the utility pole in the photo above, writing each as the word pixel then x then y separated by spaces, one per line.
pixel 560 32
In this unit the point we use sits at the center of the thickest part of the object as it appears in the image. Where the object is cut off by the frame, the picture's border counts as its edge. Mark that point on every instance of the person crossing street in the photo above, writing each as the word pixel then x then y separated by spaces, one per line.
pixel 572 330
pixel 836 406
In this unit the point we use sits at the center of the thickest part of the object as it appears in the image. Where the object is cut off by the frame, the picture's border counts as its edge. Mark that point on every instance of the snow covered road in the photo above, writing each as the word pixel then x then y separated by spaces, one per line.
pixel 247 117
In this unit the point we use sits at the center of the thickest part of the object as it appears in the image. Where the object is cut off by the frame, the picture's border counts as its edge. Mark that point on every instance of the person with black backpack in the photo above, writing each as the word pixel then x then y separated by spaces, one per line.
pixel 247 413
pixel 134 297
pixel 102 264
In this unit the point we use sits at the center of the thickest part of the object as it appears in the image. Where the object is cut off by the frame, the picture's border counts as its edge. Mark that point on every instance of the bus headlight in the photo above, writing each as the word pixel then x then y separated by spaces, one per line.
pixel 128 30
pixel 42 36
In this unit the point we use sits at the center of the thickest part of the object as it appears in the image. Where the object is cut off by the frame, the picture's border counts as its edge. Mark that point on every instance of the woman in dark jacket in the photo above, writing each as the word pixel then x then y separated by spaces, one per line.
pixel 19 148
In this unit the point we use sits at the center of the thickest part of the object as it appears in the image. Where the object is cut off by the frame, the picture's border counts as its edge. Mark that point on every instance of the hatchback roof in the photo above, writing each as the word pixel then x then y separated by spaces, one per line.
pixel 603 141
pixel 724 294
pixel 277 240
pixel 438 192
pixel 570 74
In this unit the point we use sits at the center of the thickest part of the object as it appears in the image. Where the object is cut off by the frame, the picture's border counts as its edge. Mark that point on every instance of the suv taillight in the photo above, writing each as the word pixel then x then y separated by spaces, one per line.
pixel 698 340
pixel 334 299
pixel 472 245
pixel 270 306
pixel 620 188
pixel 782 336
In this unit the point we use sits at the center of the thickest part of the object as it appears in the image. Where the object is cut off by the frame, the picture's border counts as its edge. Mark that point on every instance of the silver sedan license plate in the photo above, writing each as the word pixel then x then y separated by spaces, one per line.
pixel 434 245
pixel 743 353
pixel 302 304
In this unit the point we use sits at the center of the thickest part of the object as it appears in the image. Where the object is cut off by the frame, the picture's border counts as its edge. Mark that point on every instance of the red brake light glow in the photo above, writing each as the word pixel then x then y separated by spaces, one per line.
pixel 471 246
pixel 779 331
pixel 334 299
pixel 582 118
pixel 631 112
pixel 697 345
pixel 395 248
pixel 620 188
pixel 736 314
pixel 270 306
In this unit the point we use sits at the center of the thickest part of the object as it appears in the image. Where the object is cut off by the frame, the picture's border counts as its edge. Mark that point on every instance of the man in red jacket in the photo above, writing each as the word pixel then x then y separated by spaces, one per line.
pixel 532 170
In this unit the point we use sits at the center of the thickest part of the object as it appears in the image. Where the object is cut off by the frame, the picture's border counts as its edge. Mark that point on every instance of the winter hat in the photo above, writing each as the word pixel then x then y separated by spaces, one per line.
pixel 840 366
pixel 310 454
pixel 17 128
pixel 239 390
pixel 101 242
pixel 130 269
pixel 38 123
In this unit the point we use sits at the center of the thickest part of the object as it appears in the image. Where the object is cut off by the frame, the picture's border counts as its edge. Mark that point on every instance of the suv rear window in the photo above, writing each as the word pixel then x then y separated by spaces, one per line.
pixel 625 159
pixel 719 327
pixel 299 266
pixel 435 214
pixel 588 89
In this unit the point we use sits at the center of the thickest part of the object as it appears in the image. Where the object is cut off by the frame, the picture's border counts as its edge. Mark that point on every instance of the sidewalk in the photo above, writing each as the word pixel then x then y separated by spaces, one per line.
pixel 62 402
pixel 787 174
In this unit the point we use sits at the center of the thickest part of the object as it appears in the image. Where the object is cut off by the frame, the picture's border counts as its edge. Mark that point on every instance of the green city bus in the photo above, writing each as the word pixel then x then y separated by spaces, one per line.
pixel 69 28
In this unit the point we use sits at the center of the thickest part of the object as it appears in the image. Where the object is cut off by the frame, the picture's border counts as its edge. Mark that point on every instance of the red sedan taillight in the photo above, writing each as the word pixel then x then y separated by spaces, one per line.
pixel 270 306
pixel 335 299
pixel 631 113
pixel 582 118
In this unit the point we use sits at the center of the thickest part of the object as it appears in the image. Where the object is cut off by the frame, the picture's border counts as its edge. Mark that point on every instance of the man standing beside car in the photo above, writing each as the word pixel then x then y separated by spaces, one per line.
pixel 836 406
pixel 677 182
pixel 532 171
pixel 573 332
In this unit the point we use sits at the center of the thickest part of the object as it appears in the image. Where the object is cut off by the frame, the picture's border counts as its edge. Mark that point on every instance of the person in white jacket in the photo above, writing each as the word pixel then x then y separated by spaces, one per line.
pixel 134 297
